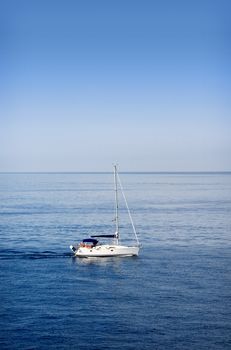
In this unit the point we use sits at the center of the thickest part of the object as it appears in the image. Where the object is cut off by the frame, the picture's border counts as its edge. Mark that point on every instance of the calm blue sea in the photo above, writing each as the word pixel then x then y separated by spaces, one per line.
pixel 175 295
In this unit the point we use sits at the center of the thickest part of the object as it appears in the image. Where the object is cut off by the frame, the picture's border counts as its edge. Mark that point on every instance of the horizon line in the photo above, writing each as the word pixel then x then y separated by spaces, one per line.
pixel 121 172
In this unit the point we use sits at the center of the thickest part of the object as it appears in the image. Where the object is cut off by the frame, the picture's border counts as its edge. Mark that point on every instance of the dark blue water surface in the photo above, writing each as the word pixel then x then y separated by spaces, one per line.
pixel 175 295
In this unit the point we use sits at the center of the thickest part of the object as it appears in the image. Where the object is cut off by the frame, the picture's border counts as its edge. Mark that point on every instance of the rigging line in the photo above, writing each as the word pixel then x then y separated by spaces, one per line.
pixel 129 213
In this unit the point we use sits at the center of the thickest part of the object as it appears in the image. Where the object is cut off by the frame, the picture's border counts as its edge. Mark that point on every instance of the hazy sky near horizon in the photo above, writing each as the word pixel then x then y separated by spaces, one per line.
pixel 86 83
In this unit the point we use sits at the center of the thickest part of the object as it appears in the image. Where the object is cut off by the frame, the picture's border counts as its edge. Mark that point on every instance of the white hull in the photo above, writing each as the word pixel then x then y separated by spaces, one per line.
pixel 106 250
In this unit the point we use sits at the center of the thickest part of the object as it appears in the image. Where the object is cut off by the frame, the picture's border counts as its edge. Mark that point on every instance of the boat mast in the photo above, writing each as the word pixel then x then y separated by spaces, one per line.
pixel 116 204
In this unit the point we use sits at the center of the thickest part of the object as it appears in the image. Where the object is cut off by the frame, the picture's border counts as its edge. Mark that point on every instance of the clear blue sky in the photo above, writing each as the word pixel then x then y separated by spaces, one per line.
pixel 86 83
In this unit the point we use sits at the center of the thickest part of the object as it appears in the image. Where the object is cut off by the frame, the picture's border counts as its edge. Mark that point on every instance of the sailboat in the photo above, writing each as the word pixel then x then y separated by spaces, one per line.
pixel 91 247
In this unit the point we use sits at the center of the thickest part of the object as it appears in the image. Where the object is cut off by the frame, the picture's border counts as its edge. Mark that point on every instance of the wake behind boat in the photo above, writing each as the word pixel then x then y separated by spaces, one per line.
pixel 91 247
